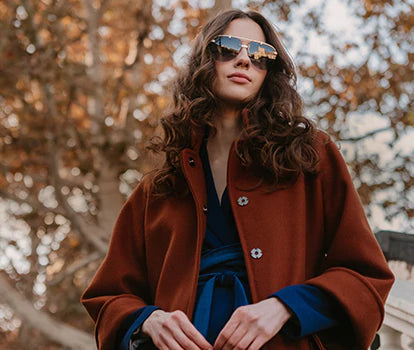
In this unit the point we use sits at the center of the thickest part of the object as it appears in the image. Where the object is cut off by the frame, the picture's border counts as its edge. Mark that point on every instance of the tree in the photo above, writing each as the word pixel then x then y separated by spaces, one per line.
pixel 83 84
pixel 361 68
pixel 80 92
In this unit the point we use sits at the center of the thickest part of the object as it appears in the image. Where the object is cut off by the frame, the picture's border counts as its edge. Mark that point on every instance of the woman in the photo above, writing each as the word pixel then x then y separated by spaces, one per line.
pixel 251 235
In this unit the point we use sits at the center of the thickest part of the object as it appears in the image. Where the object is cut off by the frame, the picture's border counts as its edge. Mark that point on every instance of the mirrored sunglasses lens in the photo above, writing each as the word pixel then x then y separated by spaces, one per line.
pixel 228 47
pixel 261 55
pixel 257 51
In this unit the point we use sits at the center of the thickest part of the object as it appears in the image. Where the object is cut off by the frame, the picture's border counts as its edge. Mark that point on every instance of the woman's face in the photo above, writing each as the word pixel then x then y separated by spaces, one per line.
pixel 235 90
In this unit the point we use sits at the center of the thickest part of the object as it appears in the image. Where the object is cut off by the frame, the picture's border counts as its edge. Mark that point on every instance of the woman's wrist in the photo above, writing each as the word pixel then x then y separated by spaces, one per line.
pixel 138 333
pixel 147 323
pixel 281 309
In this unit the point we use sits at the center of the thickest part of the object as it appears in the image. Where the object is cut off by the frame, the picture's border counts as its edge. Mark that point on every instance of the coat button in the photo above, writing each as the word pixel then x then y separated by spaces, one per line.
pixel 242 201
pixel 256 253
pixel 192 162
pixel 205 209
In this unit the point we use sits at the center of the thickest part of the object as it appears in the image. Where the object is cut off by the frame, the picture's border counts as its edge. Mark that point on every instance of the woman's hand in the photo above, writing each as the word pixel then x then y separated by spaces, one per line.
pixel 251 326
pixel 173 330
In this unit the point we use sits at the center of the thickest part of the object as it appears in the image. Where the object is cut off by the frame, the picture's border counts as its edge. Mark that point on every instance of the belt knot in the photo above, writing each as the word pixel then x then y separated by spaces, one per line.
pixel 226 279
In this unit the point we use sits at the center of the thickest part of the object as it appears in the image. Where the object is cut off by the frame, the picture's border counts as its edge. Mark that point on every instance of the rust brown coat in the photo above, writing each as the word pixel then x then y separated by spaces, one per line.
pixel 314 232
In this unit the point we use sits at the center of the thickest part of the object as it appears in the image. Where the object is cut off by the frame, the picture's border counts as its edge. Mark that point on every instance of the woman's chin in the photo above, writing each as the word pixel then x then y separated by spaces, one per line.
pixel 236 100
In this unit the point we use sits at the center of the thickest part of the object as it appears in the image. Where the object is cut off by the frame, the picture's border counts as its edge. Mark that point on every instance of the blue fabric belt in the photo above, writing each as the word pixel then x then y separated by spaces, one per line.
pixel 218 267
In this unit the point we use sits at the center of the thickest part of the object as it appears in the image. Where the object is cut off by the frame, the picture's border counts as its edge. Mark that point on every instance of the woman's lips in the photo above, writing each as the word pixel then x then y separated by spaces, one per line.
pixel 239 79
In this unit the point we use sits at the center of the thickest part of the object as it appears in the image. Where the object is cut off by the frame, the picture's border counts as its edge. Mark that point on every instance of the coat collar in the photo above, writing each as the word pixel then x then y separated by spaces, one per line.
pixel 193 170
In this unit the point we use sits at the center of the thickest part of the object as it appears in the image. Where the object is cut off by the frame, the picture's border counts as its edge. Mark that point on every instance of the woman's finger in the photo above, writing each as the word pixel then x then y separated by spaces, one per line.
pixel 257 343
pixel 189 333
pixel 192 333
pixel 166 341
pixel 226 333
pixel 169 334
pixel 245 340
pixel 235 337
pixel 184 341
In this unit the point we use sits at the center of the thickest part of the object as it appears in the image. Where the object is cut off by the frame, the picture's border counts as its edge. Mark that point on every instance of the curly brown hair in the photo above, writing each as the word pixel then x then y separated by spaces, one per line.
pixel 277 142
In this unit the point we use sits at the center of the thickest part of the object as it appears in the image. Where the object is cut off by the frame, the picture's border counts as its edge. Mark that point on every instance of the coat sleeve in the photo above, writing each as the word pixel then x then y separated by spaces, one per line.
pixel 354 270
pixel 120 286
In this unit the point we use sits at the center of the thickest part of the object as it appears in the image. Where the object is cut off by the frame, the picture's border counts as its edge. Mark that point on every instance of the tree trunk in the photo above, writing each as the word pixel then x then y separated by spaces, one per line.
pixel 54 330
pixel 220 5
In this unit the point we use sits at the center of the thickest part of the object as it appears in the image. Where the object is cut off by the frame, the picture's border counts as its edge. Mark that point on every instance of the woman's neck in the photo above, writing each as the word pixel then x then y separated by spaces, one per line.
pixel 228 122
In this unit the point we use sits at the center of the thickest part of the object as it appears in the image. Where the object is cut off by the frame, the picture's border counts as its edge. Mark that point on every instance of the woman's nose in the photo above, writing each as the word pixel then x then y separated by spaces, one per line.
pixel 243 58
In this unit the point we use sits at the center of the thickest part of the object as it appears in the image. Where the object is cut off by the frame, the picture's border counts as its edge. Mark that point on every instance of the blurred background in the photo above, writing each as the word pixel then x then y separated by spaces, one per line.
pixel 82 86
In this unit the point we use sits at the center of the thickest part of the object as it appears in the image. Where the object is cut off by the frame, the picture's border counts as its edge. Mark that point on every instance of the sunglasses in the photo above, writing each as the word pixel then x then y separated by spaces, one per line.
pixel 227 47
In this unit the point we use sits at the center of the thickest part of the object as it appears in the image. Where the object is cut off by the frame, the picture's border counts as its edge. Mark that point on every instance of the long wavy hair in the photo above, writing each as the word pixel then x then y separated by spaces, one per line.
pixel 278 142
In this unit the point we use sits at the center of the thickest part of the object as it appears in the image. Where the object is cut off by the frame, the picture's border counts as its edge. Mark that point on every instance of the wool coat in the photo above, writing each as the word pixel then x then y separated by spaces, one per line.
pixel 313 232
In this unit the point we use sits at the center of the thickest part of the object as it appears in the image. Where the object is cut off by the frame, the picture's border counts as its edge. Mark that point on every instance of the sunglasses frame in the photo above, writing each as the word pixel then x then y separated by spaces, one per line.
pixel 247 46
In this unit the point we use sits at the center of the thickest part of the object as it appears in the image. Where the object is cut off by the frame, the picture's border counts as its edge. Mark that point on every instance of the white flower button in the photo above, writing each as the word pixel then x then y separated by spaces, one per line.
pixel 256 253
pixel 242 201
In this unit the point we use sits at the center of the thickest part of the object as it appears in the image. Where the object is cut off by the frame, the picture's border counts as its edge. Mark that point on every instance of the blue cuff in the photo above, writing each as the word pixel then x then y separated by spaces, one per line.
pixel 138 318
pixel 313 308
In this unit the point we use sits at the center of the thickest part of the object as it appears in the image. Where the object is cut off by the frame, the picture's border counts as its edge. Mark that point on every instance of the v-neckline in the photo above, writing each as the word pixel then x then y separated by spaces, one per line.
pixel 220 200
pixel 219 215
pixel 222 196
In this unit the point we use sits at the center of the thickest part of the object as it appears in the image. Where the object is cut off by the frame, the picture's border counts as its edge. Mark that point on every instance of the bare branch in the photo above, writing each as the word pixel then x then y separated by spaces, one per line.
pixel 56 331
pixel 371 133
pixel 90 232
pixel 75 267
pixel 102 8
